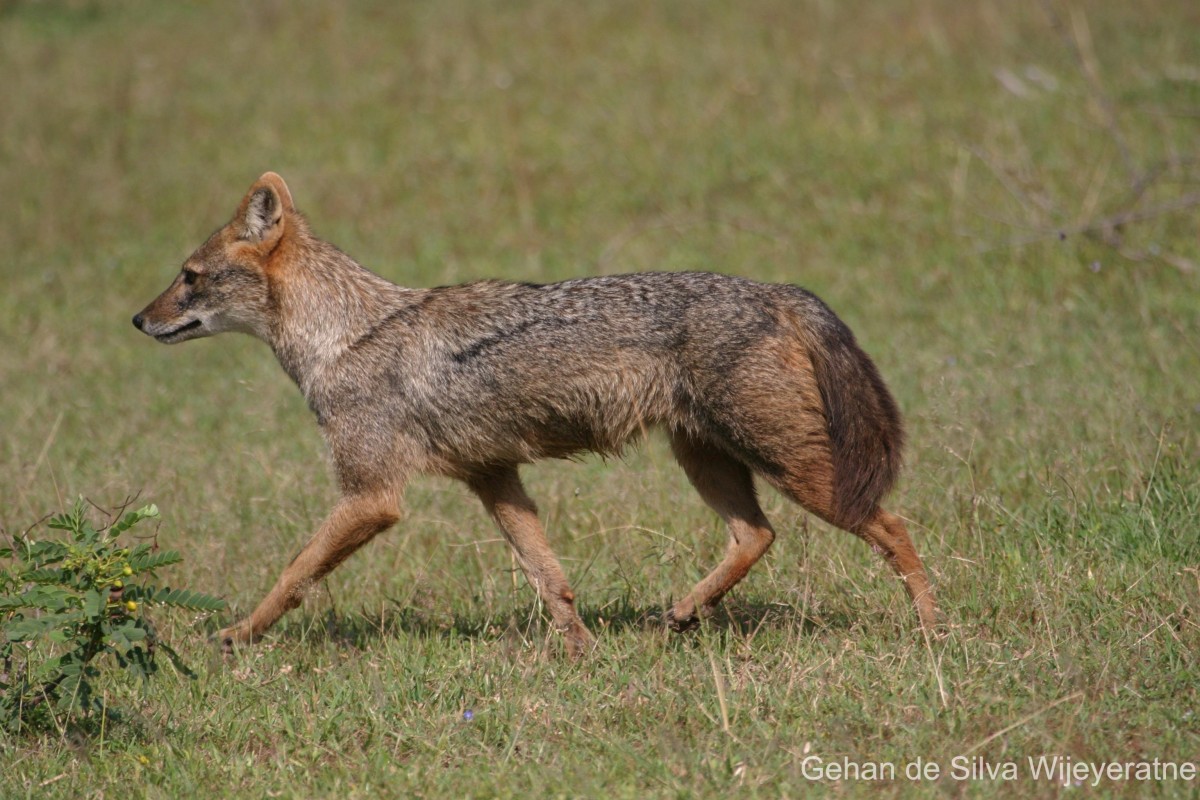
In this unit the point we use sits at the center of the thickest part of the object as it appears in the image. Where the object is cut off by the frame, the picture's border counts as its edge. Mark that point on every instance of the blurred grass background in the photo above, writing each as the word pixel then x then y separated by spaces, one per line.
pixel 999 198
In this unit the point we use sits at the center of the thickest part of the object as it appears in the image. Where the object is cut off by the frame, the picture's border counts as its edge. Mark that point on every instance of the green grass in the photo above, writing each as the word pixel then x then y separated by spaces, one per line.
pixel 865 150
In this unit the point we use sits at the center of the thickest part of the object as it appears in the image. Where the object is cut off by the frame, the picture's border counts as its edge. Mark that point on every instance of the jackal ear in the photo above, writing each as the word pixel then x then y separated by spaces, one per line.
pixel 261 213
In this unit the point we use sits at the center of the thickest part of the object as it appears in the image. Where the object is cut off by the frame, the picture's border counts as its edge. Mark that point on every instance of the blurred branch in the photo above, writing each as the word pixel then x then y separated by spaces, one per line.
pixel 1079 41
pixel 1151 174
pixel 1101 219
pixel 1107 230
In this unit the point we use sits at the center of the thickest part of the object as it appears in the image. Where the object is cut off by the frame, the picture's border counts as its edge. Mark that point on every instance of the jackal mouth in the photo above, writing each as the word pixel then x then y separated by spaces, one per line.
pixel 171 334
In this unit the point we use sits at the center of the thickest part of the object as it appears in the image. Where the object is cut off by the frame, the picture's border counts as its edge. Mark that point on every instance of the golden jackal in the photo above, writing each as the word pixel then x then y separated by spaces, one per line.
pixel 472 381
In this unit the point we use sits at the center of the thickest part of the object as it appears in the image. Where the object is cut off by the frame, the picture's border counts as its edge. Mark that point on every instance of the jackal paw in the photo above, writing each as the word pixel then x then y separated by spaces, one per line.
pixel 937 630
pixel 579 641
pixel 681 623
pixel 234 636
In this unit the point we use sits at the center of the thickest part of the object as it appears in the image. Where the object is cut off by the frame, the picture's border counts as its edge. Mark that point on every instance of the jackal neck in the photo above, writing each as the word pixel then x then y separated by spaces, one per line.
pixel 324 302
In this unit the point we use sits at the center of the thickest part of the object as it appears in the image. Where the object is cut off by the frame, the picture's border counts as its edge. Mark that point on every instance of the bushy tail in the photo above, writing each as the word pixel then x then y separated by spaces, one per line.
pixel 865 432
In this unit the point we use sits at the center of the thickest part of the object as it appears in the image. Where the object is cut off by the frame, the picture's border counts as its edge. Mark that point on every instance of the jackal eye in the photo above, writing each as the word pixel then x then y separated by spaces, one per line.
pixel 190 276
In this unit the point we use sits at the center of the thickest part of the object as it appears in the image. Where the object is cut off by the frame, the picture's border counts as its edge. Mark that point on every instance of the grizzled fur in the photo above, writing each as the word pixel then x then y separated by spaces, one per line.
pixel 471 381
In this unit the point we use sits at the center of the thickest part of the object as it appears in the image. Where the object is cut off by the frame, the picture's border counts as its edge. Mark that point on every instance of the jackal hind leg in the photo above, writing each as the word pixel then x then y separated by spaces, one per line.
pixel 354 521
pixel 727 485
pixel 516 515
pixel 810 484
pixel 888 536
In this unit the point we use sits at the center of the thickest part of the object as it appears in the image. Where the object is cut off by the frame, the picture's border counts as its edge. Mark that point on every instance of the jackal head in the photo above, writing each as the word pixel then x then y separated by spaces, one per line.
pixel 225 284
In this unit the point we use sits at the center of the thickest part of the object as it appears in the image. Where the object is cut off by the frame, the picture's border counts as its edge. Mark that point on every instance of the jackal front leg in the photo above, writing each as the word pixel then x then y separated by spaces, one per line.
pixel 355 520
pixel 516 515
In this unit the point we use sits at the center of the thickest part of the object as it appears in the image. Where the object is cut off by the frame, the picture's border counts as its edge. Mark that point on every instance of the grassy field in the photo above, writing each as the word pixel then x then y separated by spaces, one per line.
pixel 998 198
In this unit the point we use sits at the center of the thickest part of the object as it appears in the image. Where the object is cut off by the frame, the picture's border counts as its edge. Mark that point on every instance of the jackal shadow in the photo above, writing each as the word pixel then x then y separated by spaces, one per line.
pixel 526 623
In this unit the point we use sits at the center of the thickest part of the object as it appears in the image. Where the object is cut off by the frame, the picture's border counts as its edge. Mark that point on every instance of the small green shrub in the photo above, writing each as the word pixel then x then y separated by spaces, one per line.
pixel 65 604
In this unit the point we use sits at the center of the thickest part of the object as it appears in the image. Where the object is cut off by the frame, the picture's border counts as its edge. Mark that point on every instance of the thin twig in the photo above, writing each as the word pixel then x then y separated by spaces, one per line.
pixel 1152 173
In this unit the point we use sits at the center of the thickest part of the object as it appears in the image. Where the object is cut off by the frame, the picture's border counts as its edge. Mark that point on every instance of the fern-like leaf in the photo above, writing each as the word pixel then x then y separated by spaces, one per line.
pixel 143 561
pixel 183 598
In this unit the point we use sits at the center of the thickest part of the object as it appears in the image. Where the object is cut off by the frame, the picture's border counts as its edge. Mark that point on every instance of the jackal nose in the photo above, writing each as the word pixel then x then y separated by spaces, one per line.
pixel 138 321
